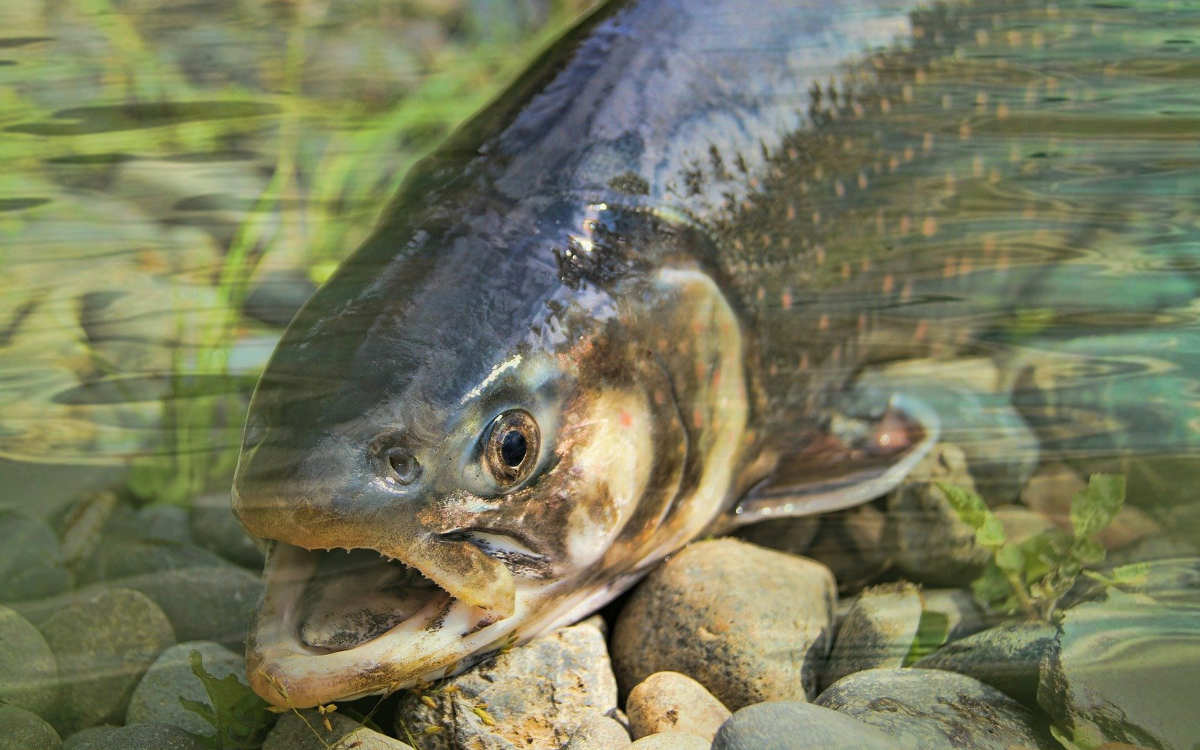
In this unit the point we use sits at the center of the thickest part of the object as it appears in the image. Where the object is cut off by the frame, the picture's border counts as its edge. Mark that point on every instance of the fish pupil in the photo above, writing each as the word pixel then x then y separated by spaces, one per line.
pixel 513 448
pixel 404 466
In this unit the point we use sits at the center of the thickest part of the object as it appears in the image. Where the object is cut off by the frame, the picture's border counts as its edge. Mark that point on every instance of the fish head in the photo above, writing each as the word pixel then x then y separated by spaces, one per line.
pixel 448 457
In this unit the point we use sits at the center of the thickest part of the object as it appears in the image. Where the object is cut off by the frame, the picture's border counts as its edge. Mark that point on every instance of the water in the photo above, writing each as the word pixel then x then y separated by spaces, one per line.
pixel 177 178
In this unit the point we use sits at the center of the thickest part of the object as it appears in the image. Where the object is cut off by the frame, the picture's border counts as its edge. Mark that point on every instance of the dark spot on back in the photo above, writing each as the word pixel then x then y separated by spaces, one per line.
pixel 630 183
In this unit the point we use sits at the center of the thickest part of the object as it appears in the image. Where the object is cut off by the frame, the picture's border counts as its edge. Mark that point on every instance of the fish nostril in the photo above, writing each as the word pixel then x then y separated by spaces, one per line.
pixel 403 467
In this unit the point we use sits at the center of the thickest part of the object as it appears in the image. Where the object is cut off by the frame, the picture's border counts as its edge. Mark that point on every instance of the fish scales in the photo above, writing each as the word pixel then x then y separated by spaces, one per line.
pixel 625 305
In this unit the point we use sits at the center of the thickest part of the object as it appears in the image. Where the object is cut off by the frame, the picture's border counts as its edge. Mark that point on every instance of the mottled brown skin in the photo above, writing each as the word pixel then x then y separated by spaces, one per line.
pixel 673 243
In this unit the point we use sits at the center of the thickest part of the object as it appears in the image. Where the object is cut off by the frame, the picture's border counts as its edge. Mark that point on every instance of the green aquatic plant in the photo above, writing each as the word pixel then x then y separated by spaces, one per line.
pixel 322 198
pixel 241 718
pixel 1033 574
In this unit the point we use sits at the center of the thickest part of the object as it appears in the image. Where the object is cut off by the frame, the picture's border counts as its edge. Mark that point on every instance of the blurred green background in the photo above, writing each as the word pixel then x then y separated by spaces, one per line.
pixel 177 177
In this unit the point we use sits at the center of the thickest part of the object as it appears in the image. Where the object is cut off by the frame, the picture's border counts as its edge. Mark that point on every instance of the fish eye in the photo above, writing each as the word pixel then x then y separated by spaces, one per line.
pixel 404 466
pixel 512 446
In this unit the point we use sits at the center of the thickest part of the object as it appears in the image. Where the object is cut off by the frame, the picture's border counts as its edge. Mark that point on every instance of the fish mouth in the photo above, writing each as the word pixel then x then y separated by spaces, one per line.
pixel 343 623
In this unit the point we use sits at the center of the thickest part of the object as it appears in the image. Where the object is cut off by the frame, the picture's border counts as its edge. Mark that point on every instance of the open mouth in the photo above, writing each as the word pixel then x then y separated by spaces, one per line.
pixel 336 624
pixel 358 595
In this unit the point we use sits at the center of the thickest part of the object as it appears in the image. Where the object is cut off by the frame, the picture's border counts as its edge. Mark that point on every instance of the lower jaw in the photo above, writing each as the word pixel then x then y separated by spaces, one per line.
pixel 426 645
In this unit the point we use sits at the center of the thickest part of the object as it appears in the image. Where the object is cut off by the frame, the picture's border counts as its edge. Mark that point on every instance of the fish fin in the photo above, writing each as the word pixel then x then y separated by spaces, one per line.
pixel 854 460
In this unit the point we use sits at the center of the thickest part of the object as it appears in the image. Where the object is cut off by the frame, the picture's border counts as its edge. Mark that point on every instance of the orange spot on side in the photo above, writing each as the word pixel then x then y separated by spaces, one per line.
pixel 785 299
pixel 626 419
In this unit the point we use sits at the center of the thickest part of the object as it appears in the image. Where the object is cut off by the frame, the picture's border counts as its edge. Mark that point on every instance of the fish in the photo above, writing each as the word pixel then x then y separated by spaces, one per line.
pixel 627 305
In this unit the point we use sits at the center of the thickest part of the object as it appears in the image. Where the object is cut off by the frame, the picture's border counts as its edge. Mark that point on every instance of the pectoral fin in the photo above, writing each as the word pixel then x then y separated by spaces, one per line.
pixel 867 448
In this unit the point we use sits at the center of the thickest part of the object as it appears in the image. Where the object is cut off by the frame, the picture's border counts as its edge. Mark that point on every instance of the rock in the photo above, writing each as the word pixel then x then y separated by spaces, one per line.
pixel 292 732
pixel 850 543
pixel 25 730
pixel 959 609
pixel 1021 523
pixel 1124 670
pixel 1153 548
pixel 104 641
pixel 671 741
pixel 750 624
pixel 25 542
pixel 164 523
pixel 878 630
pixel 39 581
pixel 157 736
pixel 367 739
pixel 929 542
pixel 927 708
pixel 1131 525
pixel 531 696
pixel 170 677
pixel 29 559
pixel 673 702
pixel 277 294
pixel 597 732
pixel 791 725
pixel 1049 492
pixel 1007 657
pixel 215 528
pixel 119 557
pixel 793 535
pixel 58 485
pixel 28 670
pixel 204 604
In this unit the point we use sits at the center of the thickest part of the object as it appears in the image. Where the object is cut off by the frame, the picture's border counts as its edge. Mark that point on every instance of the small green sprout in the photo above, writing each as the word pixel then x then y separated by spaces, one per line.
pixel 1033 575
pixel 241 718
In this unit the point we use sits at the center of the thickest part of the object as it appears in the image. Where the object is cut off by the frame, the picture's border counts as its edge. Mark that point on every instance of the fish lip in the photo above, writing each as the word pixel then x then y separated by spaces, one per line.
pixel 512 549
pixel 287 671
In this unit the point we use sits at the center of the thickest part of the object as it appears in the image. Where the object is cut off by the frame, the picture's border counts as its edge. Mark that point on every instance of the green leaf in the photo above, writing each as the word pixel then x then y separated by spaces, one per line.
pixel 932 631
pixel 974 512
pixel 993 590
pixel 1010 558
pixel 1133 574
pixel 240 717
pixel 1088 551
pixel 1095 507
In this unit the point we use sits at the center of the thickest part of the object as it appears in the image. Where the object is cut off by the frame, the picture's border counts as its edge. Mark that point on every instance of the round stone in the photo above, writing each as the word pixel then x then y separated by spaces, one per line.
pixel 104 641
pixel 775 725
pixel 25 730
pixel 747 623
pixel 28 669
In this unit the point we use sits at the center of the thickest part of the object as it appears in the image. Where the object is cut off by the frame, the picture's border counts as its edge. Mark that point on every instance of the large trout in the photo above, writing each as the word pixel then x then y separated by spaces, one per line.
pixel 625 306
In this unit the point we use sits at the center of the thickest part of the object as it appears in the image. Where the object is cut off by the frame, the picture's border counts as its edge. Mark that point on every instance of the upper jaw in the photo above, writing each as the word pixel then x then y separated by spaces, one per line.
pixel 327 631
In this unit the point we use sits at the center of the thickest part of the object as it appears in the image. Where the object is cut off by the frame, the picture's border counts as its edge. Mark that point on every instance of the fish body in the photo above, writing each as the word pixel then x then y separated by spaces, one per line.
pixel 624 306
